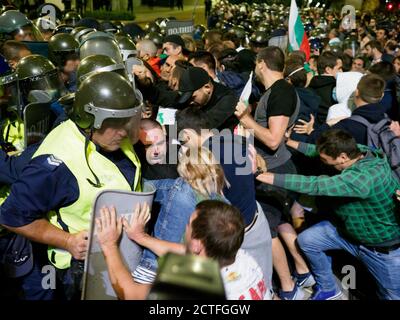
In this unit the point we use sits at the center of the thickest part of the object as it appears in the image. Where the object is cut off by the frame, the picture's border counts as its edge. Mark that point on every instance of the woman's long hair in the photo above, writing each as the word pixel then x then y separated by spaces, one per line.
pixel 201 170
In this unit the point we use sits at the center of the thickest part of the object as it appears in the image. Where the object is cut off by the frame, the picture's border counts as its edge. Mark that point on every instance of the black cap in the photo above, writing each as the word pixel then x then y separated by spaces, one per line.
pixel 192 79
pixel 174 38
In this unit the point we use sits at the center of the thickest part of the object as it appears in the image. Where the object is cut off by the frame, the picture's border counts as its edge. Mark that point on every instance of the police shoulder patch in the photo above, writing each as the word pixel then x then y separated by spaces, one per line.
pixel 52 162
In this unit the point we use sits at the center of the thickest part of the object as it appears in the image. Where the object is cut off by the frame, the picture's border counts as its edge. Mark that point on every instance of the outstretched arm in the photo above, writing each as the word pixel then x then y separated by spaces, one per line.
pixel 109 230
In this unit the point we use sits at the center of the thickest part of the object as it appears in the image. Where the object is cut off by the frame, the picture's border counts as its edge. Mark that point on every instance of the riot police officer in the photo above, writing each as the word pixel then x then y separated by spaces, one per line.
pixel 63 52
pixel 95 154
pixel 14 25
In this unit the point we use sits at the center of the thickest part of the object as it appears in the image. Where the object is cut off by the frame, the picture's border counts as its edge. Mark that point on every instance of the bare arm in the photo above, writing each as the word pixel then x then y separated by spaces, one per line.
pixel 159 247
pixel 108 230
pixel 271 136
pixel 293 144
pixel 121 279
pixel 43 231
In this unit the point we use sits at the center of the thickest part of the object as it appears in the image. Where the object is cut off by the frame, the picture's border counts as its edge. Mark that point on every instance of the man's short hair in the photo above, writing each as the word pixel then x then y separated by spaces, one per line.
pixel 149 124
pixel 148 47
pixel 191 118
pixel 375 44
pixel 371 88
pixel 384 69
pixel 204 57
pixel 325 60
pixel 213 36
pixel 180 67
pixel 220 228
pixel 273 57
pixel 12 48
pixel 333 142
pixel 391 45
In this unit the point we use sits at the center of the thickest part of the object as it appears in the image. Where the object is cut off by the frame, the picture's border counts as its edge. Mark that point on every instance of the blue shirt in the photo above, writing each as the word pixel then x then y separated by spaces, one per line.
pixel 43 187
pixel 231 151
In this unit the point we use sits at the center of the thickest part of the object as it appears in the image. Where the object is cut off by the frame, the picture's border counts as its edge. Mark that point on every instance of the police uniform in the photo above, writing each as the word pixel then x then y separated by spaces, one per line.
pixel 58 183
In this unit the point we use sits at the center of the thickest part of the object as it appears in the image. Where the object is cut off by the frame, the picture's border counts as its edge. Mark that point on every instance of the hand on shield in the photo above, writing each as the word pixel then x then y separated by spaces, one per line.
pixel 109 228
pixel 135 228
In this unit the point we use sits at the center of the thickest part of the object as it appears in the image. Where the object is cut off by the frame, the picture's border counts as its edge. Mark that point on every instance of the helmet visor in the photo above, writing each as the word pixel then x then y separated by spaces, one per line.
pixel 49 83
pixel 9 98
pixel 28 33
pixel 117 68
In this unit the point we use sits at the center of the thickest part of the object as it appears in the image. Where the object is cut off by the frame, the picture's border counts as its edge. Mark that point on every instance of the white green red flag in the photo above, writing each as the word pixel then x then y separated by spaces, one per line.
pixel 297 36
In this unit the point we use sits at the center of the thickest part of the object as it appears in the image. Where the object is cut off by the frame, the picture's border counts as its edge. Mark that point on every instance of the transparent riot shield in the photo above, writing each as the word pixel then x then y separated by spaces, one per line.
pixel 96 281
pixel 38 122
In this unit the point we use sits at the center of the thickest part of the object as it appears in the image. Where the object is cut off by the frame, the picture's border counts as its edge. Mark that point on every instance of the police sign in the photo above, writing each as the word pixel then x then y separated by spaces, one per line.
pixel 179 27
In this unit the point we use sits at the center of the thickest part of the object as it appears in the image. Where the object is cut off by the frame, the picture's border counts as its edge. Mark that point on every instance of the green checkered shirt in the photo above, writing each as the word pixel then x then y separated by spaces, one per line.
pixel 370 215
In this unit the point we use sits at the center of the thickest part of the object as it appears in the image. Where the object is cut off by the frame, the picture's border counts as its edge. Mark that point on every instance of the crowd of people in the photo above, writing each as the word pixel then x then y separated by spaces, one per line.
pixel 274 159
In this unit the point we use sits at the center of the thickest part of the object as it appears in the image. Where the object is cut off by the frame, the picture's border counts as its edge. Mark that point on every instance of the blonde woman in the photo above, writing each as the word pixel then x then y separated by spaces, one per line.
pixel 201 178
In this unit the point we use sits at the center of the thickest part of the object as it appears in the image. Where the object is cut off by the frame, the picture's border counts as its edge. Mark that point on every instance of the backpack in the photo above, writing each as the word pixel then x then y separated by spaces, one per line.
pixel 380 136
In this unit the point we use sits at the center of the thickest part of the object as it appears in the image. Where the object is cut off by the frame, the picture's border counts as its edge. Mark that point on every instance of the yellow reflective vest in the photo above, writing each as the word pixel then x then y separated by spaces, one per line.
pixel 13 132
pixel 67 144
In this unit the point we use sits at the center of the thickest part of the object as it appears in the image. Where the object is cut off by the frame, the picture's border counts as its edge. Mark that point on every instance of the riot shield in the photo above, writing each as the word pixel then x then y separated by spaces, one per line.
pixel 38 122
pixel 96 281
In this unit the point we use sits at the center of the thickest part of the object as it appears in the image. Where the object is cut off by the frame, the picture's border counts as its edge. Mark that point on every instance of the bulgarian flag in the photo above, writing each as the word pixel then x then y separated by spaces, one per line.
pixel 297 37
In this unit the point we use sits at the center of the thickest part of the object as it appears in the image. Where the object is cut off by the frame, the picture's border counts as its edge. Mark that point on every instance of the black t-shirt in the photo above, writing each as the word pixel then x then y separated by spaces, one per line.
pixel 155 171
pixel 282 100
pixel 221 108
pixel 279 100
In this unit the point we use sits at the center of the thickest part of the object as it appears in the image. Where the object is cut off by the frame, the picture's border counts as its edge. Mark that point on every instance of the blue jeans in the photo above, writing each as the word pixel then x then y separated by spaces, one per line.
pixel 178 202
pixel 323 236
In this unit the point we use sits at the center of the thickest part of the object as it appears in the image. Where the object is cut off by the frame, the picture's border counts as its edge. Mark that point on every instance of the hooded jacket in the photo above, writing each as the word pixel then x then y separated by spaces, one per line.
pixel 309 102
pixel 373 112
pixel 323 86
pixel 346 84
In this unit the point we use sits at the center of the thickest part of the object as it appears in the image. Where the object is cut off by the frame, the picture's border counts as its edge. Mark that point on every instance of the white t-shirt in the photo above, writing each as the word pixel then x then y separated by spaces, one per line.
pixel 244 280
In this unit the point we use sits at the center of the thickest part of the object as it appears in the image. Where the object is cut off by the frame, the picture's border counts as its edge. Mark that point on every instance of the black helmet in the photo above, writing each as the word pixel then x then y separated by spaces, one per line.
pixel 60 45
pixel 152 27
pixel 9 97
pixel 102 96
pixel 134 30
pixel 126 45
pixel 247 25
pixel 156 38
pixel 37 73
pixel 259 39
pixel 108 26
pixel 98 42
pixel 198 31
pixel 63 28
pixel 265 27
pixel 316 43
pixel 239 32
pixel 79 32
pixel 98 63
pixel 16 26
pixel 71 18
